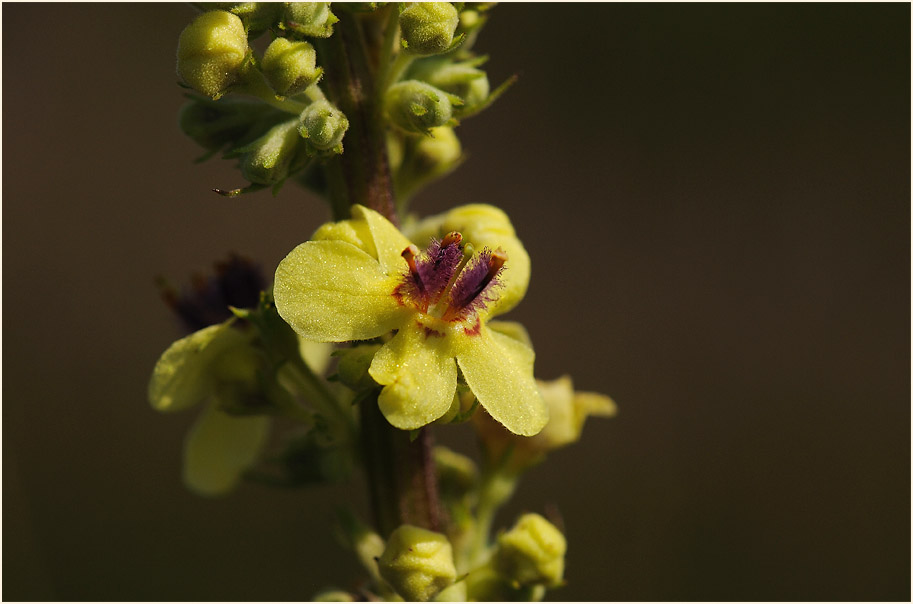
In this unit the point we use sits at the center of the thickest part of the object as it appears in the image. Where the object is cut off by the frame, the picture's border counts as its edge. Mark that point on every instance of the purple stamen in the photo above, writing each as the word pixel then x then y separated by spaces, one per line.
pixel 473 288
pixel 431 273
pixel 439 263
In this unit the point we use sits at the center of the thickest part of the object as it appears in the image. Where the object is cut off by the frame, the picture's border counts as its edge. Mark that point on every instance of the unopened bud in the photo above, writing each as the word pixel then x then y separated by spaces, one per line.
pixel 427 27
pixel 427 158
pixel 323 126
pixel 257 16
pixel 290 67
pixel 309 18
pixel 212 52
pixel 441 149
pixel 267 160
pixel 464 81
pixel 532 552
pixel 417 563
pixel 417 107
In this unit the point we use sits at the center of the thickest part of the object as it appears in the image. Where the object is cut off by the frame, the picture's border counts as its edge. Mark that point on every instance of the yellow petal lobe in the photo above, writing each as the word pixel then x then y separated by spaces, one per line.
pixel 419 375
pixel 183 375
pixel 499 371
pixel 332 291
pixel 219 448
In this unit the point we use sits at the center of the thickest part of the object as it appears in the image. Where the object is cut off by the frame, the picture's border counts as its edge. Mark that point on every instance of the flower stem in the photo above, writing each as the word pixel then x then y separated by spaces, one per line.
pixel 402 480
pixel 350 84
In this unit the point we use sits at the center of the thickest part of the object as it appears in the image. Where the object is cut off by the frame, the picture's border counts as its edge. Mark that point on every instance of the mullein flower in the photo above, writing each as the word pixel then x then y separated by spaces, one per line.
pixel 568 410
pixel 360 279
pixel 216 365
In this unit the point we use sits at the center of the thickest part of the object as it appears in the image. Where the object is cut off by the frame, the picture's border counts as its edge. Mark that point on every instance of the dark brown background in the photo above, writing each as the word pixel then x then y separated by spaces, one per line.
pixel 716 202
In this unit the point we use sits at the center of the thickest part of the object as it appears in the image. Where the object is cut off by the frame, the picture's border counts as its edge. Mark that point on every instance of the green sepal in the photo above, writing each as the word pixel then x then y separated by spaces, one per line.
pixel 494 96
pixel 253 188
pixel 227 123
pixel 465 416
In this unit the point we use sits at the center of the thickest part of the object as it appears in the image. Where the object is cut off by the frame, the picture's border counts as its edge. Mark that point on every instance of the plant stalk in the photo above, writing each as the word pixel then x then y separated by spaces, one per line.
pixel 401 475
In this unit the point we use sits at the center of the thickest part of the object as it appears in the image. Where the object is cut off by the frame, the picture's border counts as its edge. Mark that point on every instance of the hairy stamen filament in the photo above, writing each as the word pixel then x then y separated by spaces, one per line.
pixel 409 254
pixel 496 261
pixel 439 309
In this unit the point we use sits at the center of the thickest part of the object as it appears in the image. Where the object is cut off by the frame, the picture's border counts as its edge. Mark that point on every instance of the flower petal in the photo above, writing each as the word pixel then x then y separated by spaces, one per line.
pixel 332 291
pixel 389 243
pixel 513 329
pixel 419 375
pixel 499 371
pixel 355 232
pixel 219 448
pixel 185 373
pixel 484 225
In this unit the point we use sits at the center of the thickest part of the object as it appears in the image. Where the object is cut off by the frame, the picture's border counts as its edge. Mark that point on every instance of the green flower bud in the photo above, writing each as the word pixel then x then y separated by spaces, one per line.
pixel 427 158
pixel 267 160
pixel 468 83
pixel 427 27
pixel 257 16
pixel 290 67
pixel 212 53
pixel 457 474
pixel 323 126
pixel 439 150
pixel 532 552
pixel 417 107
pixel 417 563
pixel 309 18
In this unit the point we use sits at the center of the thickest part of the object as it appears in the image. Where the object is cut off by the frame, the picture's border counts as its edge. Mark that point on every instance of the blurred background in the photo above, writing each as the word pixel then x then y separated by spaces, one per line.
pixel 716 200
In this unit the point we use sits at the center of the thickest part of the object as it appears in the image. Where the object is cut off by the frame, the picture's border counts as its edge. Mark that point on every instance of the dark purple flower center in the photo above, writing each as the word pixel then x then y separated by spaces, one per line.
pixel 446 283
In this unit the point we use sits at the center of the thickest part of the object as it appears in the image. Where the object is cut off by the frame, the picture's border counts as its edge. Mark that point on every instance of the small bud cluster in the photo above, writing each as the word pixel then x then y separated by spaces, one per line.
pixel 427 80
pixel 292 123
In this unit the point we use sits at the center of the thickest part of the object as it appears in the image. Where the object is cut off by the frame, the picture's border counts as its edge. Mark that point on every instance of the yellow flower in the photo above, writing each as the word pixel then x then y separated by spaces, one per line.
pixel 361 278
pixel 215 364
pixel 568 410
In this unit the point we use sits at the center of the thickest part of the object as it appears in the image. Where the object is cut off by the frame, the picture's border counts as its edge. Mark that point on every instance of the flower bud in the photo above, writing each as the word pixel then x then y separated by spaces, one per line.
pixel 267 160
pixel 290 67
pixel 457 474
pixel 212 53
pixel 464 81
pixel 417 563
pixel 427 158
pixel 427 27
pixel 257 16
pixel 417 107
pixel 532 552
pixel 309 18
pixel 439 150
pixel 323 126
